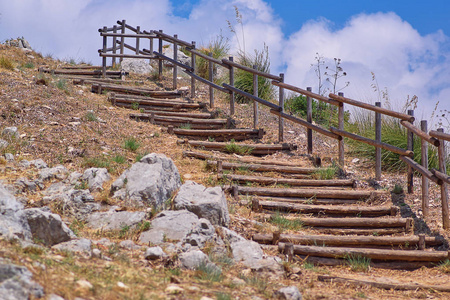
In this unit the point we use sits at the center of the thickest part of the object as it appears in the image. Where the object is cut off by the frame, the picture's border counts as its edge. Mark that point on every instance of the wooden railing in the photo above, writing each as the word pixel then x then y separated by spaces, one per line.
pixel 434 138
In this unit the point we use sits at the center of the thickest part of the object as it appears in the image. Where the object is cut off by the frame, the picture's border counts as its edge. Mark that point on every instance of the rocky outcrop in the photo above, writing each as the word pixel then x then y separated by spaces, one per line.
pixel 114 220
pixel 288 293
pixel 138 66
pixel 13 221
pixel 151 181
pixel 209 203
pixel 95 178
pixel 16 283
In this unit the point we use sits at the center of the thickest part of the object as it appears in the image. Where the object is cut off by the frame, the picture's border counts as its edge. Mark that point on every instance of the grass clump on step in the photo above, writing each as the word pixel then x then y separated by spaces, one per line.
pixel 357 262
pixel 232 147
pixel 326 173
pixel 283 223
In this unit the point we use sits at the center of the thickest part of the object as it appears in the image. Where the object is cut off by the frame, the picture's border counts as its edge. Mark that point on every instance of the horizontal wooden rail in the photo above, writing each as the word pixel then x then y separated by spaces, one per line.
pixel 128 55
pixel 175 62
pixel 423 135
pixel 372 142
pixel 207 57
pixel 110 29
pixel 306 93
pixel 306 124
pixel 205 81
pixel 421 169
pixel 172 39
pixel 128 35
pixel 133 48
pixel 127 26
pixel 257 99
pixel 440 135
pixel 250 70
pixel 374 108
pixel 441 176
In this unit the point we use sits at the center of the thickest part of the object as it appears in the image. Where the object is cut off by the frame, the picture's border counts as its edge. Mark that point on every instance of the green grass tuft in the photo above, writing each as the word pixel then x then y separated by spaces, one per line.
pixel 131 144
pixel 283 223
pixel 232 147
pixel 6 63
pixel 358 263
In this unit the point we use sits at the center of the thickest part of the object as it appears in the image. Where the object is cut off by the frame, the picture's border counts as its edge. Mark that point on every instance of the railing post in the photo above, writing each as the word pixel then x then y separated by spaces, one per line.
pixel 280 119
pixel 122 41
pixel 231 84
pixel 160 62
pixel 309 120
pixel 193 71
pixel 105 44
pixel 425 185
pixel 175 57
pixel 378 139
pixel 444 187
pixel 138 29
pixel 255 104
pixel 114 46
pixel 211 78
pixel 410 136
pixel 341 127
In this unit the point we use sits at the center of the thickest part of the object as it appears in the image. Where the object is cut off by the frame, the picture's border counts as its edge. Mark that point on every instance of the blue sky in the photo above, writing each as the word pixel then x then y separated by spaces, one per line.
pixel 406 44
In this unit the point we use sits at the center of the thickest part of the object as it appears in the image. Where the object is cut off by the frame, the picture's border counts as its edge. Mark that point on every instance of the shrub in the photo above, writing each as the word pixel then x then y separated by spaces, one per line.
pixel 232 147
pixel 219 47
pixel 6 63
pixel 243 80
pixel 358 263
pixel 131 144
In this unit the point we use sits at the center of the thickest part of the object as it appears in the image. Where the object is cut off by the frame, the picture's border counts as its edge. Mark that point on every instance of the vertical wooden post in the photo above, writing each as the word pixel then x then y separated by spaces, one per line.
pixel 211 78
pixel 255 104
pixel 193 71
pixel 309 120
pixel 378 139
pixel 410 136
pixel 160 62
pixel 105 44
pixel 444 187
pixel 175 57
pixel 138 31
pixel 341 127
pixel 425 185
pixel 280 119
pixel 114 46
pixel 122 40
pixel 289 251
pixel 422 242
pixel 231 84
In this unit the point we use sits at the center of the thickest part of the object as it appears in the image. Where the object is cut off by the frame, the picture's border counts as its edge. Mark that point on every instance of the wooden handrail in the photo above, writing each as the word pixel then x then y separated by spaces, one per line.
pixel 209 58
pixel 420 133
pixel 143 51
pixel 306 93
pixel 127 26
pixel 173 61
pixel 440 135
pixel 127 55
pixel 128 35
pixel 250 70
pixel 441 176
pixel 172 39
pixel 372 142
pixel 421 169
pixel 201 79
pixel 109 29
pixel 257 99
pixel 306 124
pixel 381 110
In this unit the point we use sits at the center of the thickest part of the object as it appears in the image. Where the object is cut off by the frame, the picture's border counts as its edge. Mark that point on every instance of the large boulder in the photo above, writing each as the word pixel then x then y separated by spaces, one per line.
pixel 150 181
pixel 138 66
pixel 169 225
pixel 47 227
pixel 16 283
pixel 13 222
pixel 181 57
pixel 114 220
pixel 209 203
pixel 83 246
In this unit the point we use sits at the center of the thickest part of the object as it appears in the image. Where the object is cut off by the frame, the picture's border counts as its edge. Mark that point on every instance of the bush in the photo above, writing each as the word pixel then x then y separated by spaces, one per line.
pixel 131 144
pixel 6 63
pixel 243 80
pixel 219 47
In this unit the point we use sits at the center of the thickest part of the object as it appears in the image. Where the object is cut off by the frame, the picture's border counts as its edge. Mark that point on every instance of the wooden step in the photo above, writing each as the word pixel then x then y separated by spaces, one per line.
pixel 219 134
pixel 140 103
pixel 263 168
pixel 97 73
pixel 180 122
pixel 193 115
pixel 348 183
pixel 246 200
pixel 253 149
pixel 404 242
pixel 134 90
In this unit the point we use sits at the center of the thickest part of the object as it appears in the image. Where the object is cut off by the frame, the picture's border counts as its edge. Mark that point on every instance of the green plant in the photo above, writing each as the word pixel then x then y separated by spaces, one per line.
pixel 223 296
pixel 232 147
pixel 90 116
pixel 76 226
pixel 135 106
pixel 259 283
pixel 309 266
pixel 6 63
pixel 120 159
pixel 219 48
pixel 124 230
pixel 186 126
pixel 96 162
pixel 83 185
pixel 131 144
pixel 326 173
pixel 398 189
pixel 61 84
pixel 209 272
pixel 283 223
pixel 29 65
pixel 444 266
pixel 358 262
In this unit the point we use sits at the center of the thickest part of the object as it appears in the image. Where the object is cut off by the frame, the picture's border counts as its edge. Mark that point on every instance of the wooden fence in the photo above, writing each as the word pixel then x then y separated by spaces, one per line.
pixel 435 138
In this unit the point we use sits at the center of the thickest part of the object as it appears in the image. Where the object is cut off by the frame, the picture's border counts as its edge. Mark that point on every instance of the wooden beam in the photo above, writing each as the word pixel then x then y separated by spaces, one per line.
pixel 423 135
pixel 250 70
pixel 419 168
pixel 266 168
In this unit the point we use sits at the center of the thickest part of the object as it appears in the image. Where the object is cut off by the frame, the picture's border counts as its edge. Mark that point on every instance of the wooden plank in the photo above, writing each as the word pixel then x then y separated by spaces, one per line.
pixel 442 155
pixel 171 38
pixel 265 168
pixel 300 200
pixel 207 82
pixel 175 62
pixel 306 93
pixel 250 96
pixel 371 223
pixel 423 135
pixel 379 254
pixel 250 70
pixel 289 181
pixel 311 193
pixel 138 91
pixel 179 114
pixel 371 107
pixel 372 142
pixel 419 168
pixel 79 72
pixel 218 132
pixel 440 135
pixel 222 122
pixel 208 58
pixel 441 176
pixel 159 103
pixel 140 56
pixel 407 242
pixel 361 231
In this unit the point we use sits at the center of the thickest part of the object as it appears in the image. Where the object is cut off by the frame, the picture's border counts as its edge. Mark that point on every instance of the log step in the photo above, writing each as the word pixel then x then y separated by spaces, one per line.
pixel 180 122
pixel 151 107
pixel 376 254
pixel 312 193
pixel 333 210
pixel 141 103
pixel 81 72
pixel 240 159
pixel 264 168
pixel 180 114
pixel 245 200
pixel 135 91
pixel 360 223
pixel 252 149
pixel 349 183
pixel 404 242
pixel 219 134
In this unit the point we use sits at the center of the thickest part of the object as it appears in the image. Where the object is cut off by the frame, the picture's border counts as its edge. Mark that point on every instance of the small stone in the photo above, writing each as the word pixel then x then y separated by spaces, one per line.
pixel 121 286
pixel 355 160
pixel 96 253
pixel 9 157
pixel 187 176
pixel 288 293
pixel 83 285
pixel 174 289
pixel 206 298
pixel 154 253
pixel 238 281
